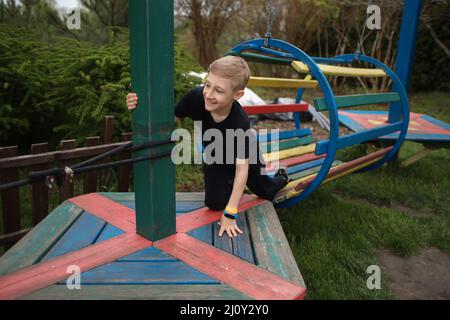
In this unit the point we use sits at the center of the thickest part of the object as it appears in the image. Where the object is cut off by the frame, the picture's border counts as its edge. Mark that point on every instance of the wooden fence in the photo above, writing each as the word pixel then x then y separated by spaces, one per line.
pixel 12 165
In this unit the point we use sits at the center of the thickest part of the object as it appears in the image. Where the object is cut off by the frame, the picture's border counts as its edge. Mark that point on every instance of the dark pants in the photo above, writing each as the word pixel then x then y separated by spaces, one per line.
pixel 219 185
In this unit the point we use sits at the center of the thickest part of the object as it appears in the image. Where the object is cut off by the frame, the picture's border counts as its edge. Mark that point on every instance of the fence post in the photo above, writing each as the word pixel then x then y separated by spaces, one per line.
pixel 66 190
pixel 39 190
pixel 108 128
pixel 10 197
pixel 90 178
pixel 125 171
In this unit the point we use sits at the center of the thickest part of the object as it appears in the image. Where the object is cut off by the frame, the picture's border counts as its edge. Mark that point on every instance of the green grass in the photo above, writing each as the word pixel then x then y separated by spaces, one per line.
pixel 337 233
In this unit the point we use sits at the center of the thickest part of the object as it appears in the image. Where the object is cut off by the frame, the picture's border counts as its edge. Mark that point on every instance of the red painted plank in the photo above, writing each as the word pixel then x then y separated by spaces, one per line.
pixel 204 216
pixel 289 162
pixel 275 108
pixel 245 277
pixel 44 274
pixel 106 209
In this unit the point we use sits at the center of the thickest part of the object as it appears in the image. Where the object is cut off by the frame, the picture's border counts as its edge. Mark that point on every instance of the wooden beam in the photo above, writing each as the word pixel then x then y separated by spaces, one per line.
pixel 151 41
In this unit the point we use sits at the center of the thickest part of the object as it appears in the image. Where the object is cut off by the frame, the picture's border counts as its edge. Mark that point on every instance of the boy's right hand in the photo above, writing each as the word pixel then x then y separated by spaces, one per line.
pixel 132 100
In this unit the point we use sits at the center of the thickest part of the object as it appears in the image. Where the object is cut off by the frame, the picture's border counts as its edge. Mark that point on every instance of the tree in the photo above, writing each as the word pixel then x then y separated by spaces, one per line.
pixel 208 18
pixel 110 15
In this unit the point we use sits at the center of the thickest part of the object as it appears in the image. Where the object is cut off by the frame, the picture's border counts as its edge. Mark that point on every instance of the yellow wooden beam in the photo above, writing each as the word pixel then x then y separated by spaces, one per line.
pixel 292 152
pixel 328 70
pixel 281 83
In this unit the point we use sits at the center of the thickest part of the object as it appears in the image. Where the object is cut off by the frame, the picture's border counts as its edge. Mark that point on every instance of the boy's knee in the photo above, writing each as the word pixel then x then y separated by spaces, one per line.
pixel 217 204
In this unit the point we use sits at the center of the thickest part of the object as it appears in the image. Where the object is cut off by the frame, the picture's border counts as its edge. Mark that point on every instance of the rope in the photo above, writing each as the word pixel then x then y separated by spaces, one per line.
pixel 57 174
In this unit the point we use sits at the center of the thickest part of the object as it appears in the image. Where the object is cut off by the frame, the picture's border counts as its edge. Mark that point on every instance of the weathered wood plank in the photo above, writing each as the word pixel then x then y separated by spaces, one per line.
pixel 204 233
pixel 66 190
pixel 44 274
pixel 35 244
pixel 190 196
pixel 147 254
pixel 271 248
pixel 146 272
pixel 125 171
pixel 233 271
pixel 10 197
pixel 223 242
pixel 242 245
pixel 180 196
pixel 39 189
pixel 81 234
pixel 90 178
pixel 135 292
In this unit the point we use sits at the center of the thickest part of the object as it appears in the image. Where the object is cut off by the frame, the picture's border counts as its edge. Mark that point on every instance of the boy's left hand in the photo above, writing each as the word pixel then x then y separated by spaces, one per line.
pixel 230 226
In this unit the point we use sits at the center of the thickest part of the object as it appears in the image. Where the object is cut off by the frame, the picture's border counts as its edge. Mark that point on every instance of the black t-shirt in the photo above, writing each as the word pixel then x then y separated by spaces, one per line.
pixel 192 105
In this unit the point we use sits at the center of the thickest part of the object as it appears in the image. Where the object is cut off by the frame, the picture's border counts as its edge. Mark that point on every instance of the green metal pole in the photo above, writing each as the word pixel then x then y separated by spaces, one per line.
pixel 151 43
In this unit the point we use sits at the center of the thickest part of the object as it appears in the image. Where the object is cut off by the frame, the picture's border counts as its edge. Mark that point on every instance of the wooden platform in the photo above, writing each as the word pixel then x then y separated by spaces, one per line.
pixel 422 128
pixel 96 232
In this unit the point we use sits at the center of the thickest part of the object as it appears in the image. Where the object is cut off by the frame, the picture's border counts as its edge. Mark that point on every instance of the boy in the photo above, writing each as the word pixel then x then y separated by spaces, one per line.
pixel 215 105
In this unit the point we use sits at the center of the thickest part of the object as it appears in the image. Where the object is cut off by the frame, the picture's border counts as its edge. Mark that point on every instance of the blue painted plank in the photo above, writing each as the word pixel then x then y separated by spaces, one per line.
pixel 168 272
pixel 81 234
pixel 436 122
pixel 350 123
pixel 204 233
pixel 355 126
pixel 224 242
pixel 147 254
pixel 285 135
pixel 242 246
pixel 360 137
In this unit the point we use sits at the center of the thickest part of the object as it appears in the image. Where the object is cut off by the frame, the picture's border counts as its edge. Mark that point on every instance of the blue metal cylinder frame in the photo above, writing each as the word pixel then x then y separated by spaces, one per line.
pixel 290 51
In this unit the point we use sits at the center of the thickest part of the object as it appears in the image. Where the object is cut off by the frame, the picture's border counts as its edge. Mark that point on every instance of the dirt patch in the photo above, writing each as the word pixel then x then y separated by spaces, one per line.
pixel 413 212
pixel 425 276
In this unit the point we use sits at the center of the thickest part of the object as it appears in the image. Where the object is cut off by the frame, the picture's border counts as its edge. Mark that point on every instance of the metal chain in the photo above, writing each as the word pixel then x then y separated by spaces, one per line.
pixel 272 12
pixel 361 38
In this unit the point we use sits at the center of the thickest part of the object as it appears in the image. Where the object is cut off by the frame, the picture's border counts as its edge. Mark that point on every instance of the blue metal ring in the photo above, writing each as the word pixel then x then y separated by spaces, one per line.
pixel 292 51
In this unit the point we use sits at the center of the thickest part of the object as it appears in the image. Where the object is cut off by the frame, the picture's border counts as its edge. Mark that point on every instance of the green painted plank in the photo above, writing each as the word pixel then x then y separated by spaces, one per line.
pixel 138 292
pixel 288 144
pixel 310 171
pixel 271 248
pixel 358 100
pixel 31 248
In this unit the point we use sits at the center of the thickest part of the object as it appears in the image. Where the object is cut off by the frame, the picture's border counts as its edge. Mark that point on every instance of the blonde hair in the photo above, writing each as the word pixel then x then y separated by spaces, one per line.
pixel 231 67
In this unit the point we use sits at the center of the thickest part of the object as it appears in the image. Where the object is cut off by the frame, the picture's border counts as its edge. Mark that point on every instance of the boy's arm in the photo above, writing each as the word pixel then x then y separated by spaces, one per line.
pixel 240 180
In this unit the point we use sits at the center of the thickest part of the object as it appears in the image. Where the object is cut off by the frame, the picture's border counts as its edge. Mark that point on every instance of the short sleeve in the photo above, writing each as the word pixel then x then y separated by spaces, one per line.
pixel 191 105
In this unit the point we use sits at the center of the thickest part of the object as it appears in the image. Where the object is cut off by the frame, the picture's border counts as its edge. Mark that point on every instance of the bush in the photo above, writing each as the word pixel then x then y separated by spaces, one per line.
pixel 63 89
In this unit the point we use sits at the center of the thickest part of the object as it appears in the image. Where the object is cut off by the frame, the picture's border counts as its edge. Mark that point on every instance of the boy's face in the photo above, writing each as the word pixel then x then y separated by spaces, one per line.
pixel 219 93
